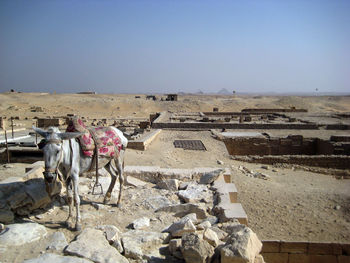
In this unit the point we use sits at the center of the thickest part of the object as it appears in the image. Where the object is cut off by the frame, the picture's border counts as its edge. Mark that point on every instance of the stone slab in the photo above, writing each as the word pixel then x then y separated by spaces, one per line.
pixel 145 141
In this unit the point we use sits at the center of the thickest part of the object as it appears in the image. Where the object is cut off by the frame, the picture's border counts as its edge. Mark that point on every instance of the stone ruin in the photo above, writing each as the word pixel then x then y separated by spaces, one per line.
pixel 184 218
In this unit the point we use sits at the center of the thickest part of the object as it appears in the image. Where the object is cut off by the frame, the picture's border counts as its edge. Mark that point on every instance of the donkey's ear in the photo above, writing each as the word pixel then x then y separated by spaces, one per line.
pixel 40 131
pixel 69 135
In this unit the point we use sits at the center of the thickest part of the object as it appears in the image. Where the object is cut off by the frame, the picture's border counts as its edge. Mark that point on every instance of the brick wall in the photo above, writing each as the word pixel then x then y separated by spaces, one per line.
pixel 207 126
pixel 44 123
pixel 274 110
pixel 325 161
pixel 292 145
pixel 305 252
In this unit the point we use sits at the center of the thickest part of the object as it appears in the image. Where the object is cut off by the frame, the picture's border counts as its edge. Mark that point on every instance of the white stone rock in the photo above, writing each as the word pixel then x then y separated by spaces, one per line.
pixel 169 184
pixel 210 177
pixel 141 223
pixel 195 193
pixel 21 234
pixel 137 243
pixel 179 228
pixel 174 245
pixel 183 185
pixel 93 245
pixel 157 202
pixel 132 181
pixel 196 250
pixel 113 236
pixel 203 225
pixel 54 258
pixel 220 233
pixel 210 236
pixel 57 242
pixel 241 246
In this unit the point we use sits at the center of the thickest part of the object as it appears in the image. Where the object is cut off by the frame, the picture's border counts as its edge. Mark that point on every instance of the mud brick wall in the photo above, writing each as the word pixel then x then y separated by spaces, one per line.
pixel 273 110
pixel 271 146
pixel 44 123
pixel 292 145
pixel 207 126
pixel 305 252
pixel 325 161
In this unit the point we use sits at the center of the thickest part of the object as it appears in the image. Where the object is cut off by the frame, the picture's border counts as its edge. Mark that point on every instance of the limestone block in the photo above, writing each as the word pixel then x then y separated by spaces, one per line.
pixel 179 228
pixel 57 242
pixel 169 184
pixel 141 223
pixel 92 244
pixel 196 250
pixel 113 236
pixel 212 238
pixel 137 243
pixel 21 234
pixel 242 245
pixel 54 258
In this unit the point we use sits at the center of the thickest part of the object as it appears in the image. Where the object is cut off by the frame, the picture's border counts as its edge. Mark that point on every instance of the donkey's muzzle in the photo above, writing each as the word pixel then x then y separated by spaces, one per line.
pixel 50 177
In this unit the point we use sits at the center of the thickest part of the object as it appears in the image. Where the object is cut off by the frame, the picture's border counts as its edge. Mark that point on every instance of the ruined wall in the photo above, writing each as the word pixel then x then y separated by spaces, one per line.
pixel 325 161
pixel 207 126
pixel 292 145
pixel 305 252
pixel 44 123
pixel 273 110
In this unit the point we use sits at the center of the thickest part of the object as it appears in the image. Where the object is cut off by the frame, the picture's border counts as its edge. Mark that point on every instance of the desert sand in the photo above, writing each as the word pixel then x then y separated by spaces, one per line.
pixel 292 205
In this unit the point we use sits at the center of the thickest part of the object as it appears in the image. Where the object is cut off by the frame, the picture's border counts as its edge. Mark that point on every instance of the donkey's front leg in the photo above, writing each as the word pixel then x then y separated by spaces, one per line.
pixel 75 178
pixel 69 201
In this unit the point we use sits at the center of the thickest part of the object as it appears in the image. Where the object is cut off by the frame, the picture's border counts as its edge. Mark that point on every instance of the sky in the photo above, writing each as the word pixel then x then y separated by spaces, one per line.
pixel 175 46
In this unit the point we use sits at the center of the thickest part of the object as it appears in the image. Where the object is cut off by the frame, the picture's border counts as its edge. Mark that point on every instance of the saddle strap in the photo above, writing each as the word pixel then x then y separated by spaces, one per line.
pixel 95 154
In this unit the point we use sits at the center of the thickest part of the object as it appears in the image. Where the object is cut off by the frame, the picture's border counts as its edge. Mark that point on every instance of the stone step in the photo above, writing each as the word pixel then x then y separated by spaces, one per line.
pixel 223 188
pixel 227 194
pixel 144 142
pixel 229 211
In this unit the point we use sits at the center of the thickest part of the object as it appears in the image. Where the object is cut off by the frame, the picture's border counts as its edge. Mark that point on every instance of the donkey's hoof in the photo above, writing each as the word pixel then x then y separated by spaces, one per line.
pixel 106 200
pixel 77 227
pixel 119 205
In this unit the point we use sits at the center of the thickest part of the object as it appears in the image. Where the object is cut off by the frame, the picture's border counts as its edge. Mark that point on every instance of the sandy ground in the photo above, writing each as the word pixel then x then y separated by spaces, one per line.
pixel 292 205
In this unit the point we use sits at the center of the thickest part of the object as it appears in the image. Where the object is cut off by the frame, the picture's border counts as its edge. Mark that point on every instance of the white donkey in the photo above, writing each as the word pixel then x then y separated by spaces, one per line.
pixel 63 155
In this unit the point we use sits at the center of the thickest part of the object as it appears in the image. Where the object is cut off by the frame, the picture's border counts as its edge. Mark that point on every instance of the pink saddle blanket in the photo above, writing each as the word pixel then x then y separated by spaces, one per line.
pixel 107 140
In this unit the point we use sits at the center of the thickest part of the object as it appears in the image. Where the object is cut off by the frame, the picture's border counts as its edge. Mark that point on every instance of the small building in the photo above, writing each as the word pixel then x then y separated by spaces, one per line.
pixel 171 97
pixel 151 97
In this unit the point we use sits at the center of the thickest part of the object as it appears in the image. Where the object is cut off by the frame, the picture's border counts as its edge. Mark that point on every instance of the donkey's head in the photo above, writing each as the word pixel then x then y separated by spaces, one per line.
pixel 52 147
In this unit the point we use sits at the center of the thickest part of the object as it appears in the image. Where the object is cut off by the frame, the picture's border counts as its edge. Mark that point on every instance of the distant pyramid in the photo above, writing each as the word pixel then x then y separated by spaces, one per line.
pixel 224 92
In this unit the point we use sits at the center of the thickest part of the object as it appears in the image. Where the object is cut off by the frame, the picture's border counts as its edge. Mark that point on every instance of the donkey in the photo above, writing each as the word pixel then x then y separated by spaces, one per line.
pixel 63 156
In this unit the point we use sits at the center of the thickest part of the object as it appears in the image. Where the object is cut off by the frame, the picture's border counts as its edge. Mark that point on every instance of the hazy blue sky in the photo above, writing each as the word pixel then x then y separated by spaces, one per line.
pixel 163 46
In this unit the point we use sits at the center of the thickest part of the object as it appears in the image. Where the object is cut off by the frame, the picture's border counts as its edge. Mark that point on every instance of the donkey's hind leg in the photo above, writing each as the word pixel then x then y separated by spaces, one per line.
pixel 112 171
pixel 120 167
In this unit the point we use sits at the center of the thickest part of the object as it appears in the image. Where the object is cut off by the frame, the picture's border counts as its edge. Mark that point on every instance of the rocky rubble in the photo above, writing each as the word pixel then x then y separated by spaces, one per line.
pixel 22 198
pixel 194 234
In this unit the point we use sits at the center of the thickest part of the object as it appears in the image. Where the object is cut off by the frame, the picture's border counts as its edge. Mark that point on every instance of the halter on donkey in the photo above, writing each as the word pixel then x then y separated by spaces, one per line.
pixel 64 156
